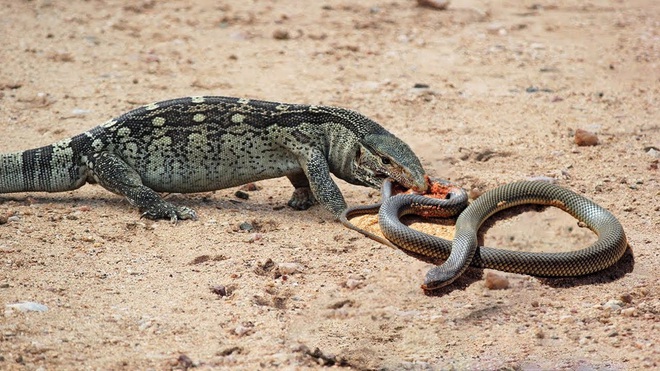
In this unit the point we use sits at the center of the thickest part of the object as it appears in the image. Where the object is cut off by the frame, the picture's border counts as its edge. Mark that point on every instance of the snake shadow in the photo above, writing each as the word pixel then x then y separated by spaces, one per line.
pixel 623 266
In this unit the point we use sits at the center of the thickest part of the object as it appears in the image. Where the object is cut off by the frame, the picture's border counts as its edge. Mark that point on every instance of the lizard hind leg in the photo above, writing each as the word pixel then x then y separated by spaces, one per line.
pixel 114 174
pixel 302 198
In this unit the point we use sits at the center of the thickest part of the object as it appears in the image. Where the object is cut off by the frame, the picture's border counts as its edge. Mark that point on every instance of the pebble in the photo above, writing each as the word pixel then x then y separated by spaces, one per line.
pixel 241 330
pixel 246 226
pixel 626 298
pixel 281 35
pixel 254 237
pixel 585 138
pixel 184 362
pixel 27 306
pixel 80 112
pixel 613 305
pixel 539 334
pixel 629 312
pixel 219 290
pixel 352 283
pixel 653 151
pixel 434 4
pixel 496 29
pixel 3 219
pixel 288 268
pixel 250 187
pixel 242 195
pixel 566 319
pixel 495 281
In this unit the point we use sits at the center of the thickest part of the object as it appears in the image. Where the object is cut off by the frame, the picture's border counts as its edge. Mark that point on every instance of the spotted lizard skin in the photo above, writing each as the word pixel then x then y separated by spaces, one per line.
pixel 200 144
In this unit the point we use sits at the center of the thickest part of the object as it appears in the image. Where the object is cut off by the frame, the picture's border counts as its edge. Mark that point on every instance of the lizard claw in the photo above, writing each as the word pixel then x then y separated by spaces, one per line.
pixel 171 212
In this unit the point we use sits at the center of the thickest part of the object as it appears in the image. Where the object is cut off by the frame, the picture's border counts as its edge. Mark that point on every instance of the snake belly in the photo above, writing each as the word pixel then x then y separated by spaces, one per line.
pixel 464 251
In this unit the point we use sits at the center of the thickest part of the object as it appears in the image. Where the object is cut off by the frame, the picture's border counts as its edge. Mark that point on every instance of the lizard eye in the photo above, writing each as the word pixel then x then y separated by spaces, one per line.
pixel 385 160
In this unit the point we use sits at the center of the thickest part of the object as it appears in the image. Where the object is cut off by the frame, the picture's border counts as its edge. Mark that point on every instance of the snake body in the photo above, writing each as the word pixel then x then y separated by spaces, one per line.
pixel 464 251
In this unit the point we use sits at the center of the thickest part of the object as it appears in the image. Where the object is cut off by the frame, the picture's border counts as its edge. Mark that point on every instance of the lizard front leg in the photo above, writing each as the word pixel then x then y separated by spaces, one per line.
pixel 115 175
pixel 321 184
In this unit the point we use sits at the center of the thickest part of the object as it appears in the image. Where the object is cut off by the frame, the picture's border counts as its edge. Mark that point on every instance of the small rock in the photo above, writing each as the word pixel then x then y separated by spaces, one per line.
pixel 629 312
pixel 219 290
pixel 80 112
pixel 613 305
pixel 250 187
pixel 353 283
pixel 288 268
pixel 626 298
pixel 281 35
pixel 496 29
pixel 566 319
pixel 184 362
pixel 585 138
pixel 254 237
pixel 494 281
pixel 434 4
pixel 242 195
pixel 241 330
pixel 539 334
pixel 246 226
pixel 3 219
pixel 655 152
pixel 27 306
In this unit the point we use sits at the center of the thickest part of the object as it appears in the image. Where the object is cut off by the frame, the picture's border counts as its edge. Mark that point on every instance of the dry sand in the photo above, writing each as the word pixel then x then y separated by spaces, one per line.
pixel 509 83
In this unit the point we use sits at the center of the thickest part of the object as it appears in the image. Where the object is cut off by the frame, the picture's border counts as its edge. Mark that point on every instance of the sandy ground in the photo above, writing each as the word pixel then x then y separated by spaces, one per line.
pixel 501 88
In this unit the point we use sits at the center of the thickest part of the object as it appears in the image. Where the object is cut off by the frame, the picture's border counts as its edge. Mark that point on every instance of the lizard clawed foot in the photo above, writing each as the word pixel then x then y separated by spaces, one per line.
pixel 169 211
pixel 302 199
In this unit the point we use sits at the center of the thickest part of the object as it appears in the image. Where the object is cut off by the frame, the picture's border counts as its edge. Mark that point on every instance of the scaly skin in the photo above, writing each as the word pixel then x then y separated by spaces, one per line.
pixel 200 144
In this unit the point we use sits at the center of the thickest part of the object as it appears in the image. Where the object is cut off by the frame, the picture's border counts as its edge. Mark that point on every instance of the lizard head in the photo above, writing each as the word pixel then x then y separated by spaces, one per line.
pixel 381 156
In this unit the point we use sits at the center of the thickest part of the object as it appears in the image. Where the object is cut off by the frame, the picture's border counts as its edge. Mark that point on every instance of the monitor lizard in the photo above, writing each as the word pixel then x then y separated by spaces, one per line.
pixel 199 144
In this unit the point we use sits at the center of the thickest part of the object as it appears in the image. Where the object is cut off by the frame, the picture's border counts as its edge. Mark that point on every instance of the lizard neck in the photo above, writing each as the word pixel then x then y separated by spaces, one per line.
pixel 343 147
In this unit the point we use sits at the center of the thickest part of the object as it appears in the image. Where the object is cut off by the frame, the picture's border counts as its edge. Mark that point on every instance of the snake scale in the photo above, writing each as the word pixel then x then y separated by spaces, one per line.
pixel 464 251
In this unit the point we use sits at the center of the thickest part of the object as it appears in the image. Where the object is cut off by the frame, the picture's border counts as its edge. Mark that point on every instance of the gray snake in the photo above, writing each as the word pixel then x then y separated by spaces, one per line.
pixel 464 251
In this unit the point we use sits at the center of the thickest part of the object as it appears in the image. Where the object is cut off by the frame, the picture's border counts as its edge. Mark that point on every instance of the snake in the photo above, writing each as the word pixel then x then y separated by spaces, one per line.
pixel 463 251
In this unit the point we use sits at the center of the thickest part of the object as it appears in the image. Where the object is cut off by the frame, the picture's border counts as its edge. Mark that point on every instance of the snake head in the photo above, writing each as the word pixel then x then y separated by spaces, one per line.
pixel 382 156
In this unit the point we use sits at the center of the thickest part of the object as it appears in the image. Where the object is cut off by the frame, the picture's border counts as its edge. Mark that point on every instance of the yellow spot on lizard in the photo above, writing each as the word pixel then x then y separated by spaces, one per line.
pixel 237 118
pixel 158 121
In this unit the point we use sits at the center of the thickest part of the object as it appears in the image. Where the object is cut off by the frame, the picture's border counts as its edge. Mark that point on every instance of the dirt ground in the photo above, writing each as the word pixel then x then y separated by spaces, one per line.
pixel 485 92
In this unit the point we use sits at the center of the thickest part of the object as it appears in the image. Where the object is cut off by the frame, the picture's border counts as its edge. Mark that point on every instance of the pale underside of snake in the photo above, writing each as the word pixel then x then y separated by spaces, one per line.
pixel 464 251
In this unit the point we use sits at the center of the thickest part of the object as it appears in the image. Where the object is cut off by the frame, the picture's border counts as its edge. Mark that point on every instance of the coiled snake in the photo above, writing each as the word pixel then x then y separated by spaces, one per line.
pixel 463 250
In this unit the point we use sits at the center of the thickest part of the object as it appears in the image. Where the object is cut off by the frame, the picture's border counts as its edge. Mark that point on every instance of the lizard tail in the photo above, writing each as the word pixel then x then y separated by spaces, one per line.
pixel 52 168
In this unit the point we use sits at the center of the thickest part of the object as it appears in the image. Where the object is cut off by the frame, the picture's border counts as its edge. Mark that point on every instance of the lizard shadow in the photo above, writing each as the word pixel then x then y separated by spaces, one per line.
pixel 197 201
pixel 624 265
